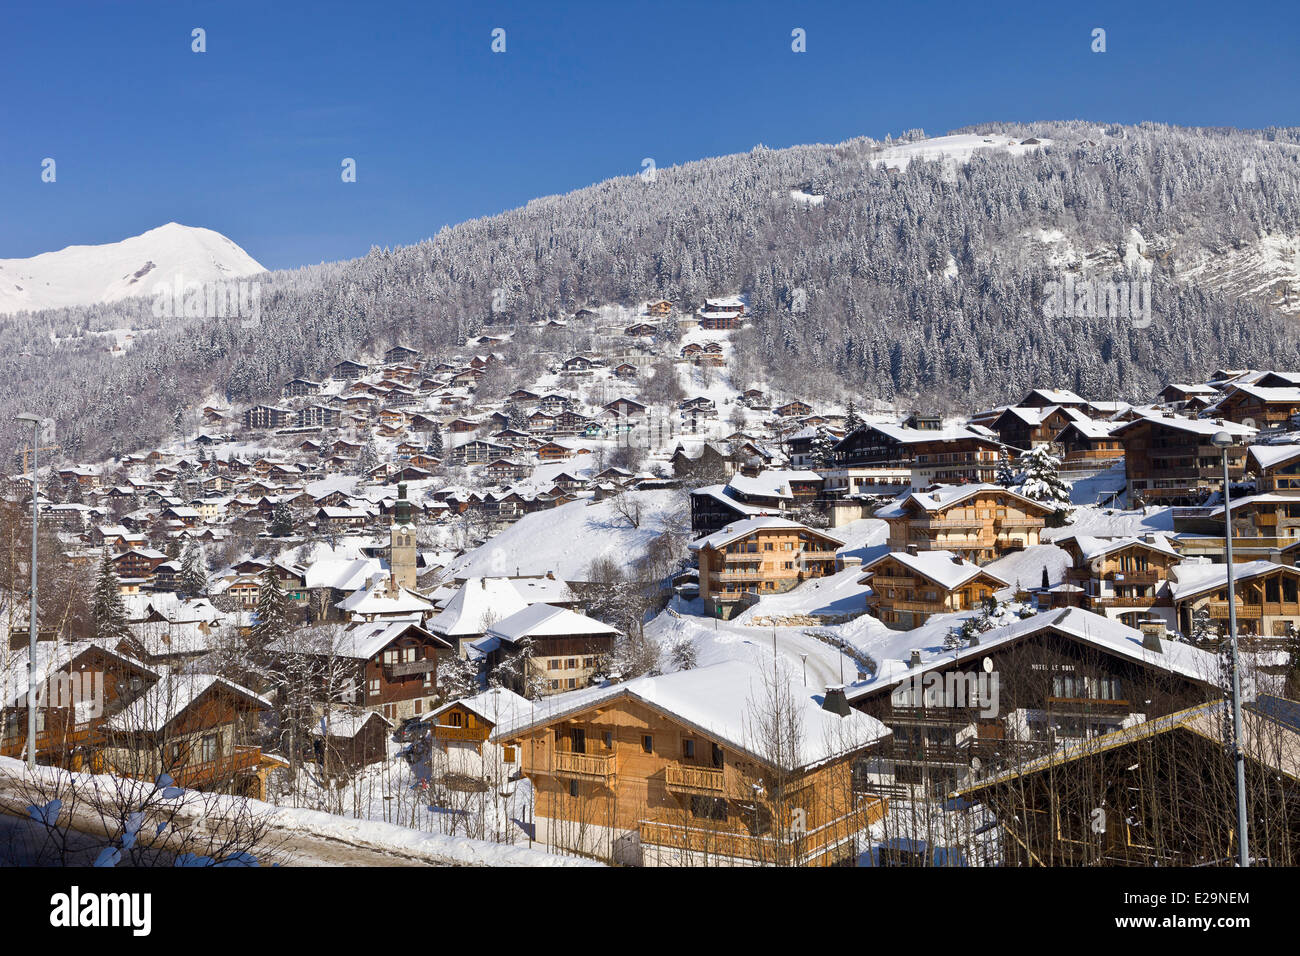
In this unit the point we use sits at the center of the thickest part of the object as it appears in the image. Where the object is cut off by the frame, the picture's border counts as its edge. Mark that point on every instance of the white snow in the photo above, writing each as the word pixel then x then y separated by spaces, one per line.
pixel 83 275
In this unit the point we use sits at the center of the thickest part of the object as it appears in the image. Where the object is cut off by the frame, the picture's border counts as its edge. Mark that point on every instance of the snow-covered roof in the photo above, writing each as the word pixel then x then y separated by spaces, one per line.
pixel 1198 426
pixel 901 433
pixel 741 529
pixel 51 658
pixel 1102 632
pixel 378 598
pixel 346 722
pixel 169 697
pixel 946 568
pixel 943 496
pixel 721 701
pixel 543 620
pixel 1094 547
pixel 498 706
pixel 772 483
pixel 1190 579
pixel 1269 456
pixel 478 603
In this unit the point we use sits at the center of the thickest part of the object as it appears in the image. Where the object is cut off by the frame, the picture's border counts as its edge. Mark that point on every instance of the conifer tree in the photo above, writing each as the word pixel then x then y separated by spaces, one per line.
pixel 194 574
pixel 109 609
pixel 273 620
pixel 1039 478
pixel 281 520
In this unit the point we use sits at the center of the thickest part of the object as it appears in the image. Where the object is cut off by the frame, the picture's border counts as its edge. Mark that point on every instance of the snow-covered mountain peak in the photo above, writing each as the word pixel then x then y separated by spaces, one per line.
pixel 83 275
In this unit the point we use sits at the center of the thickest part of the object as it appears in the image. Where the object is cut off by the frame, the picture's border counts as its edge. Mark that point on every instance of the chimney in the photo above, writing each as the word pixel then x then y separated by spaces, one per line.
pixel 835 701
pixel 956 559
pixel 915 660
pixel 1151 634
pixel 973 640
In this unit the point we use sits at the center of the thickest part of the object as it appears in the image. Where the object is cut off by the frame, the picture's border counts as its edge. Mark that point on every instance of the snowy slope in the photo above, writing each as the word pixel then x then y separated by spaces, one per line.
pixel 959 148
pixel 83 275
pixel 568 538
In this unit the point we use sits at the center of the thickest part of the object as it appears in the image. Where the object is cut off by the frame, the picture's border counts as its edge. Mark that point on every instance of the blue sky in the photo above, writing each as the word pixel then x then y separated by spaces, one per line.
pixel 248 137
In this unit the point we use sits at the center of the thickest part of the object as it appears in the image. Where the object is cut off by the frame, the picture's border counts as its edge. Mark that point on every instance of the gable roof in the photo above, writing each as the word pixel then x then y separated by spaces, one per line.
pixel 171 696
pixel 742 529
pixel 719 701
pixel 1103 633
pixel 945 568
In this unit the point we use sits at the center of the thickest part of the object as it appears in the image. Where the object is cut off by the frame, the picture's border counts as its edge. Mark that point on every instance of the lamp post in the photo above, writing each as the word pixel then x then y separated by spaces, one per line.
pixel 1223 441
pixel 31 606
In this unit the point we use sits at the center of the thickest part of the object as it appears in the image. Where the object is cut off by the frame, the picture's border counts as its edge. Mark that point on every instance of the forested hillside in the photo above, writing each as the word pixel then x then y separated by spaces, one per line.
pixel 921 284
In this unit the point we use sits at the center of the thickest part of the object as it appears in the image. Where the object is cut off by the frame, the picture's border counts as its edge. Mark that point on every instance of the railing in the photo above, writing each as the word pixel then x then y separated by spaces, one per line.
pixel 406 668
pixel 791 848
pixel 1025 522
pixel 46 740
pixel 1220 609
pixel 585 766
pixel 698 779
pixel 243 758
pixel 1149 576
pixel 1098 600
pixel 740 576
pixel 449 732
pixel 948 522
pixel 928 607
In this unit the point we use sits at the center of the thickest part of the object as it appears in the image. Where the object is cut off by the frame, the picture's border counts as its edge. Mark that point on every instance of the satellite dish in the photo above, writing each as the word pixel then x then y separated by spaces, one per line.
pixel 988 665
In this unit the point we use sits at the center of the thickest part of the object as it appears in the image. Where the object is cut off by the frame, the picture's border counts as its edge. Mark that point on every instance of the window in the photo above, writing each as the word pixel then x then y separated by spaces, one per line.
pixel 571 663
pixel 573 788
pixel 454 719
pixel 373 686
pixel 573 683
pixel 717 756
pixel 609 740
pixel 647 744
pixel 209 748
pixel 688 749
pixel 709 808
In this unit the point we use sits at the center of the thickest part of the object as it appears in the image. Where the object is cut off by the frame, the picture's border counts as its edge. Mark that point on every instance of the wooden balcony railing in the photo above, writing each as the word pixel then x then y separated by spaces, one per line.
pixel 407 668
pixel 48 741
pixel 222 768
pixel 448 732
pixel 694 779
pixel 790 848
pixel 585 766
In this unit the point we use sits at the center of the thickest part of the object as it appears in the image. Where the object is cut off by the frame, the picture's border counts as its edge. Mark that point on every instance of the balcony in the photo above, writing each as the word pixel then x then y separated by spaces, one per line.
pixel 241 760
pixel 601 769
pixel 47 741
pixel 1149 576
pixel 407 668
pixel 448 732
pixel 948 522
pixel 1018 522
pixel 724 840
pixel 694 779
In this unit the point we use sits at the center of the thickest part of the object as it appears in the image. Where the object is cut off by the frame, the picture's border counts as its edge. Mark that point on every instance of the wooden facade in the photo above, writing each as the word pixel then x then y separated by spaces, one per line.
pixel 627 781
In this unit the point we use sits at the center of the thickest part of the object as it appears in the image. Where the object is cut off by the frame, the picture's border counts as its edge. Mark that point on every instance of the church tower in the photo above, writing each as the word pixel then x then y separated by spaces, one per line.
pixel 401 543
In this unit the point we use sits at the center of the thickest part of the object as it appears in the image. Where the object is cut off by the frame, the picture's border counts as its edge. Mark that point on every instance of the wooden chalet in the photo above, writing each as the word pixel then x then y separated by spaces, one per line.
pixel 662 772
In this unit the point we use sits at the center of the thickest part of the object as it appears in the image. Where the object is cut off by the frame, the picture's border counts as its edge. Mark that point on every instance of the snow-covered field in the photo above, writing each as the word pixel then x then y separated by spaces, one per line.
pixel 567 539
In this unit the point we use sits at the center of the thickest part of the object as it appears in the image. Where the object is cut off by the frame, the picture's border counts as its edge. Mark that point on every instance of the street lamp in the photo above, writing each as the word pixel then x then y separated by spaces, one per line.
pixel 31 606
pixel 1223 441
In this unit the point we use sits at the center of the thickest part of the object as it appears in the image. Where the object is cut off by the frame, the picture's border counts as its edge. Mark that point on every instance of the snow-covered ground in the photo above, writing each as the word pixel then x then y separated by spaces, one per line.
pixel 959 148
pixel 567 539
